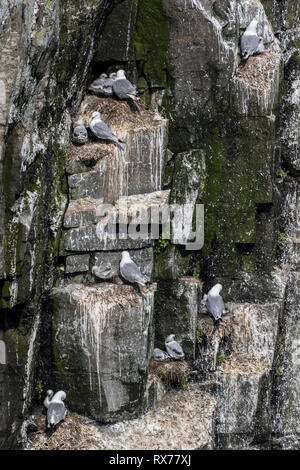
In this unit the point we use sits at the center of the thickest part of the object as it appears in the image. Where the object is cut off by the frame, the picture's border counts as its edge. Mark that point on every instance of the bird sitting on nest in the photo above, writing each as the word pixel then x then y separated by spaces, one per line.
pixel 173 348
pixel 103 84
pixel 123 88
pixel 101 130
pixel 56 409
pixel 130 271
pixel 213 303
pixel 160 355
pixel 251 43
pixel 80 134
pixel 104 271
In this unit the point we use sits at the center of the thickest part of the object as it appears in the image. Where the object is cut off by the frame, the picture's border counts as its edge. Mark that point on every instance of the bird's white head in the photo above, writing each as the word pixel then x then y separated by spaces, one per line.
pixel 170 338
pixel 103 75
pixel 50 393
pixel 96 115
pixel 61 395
pixel 113 75
pixel 216 289
pixel 125 256
pixel 121 74
pixel 94 269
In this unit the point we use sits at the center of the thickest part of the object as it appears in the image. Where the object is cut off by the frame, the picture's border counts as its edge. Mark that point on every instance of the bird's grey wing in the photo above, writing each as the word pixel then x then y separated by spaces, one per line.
pixel 131 272
pixel 175 347
pixel 102 131
pixel 249 44
pixel 124 87
pixel 56 410
pixel 215 306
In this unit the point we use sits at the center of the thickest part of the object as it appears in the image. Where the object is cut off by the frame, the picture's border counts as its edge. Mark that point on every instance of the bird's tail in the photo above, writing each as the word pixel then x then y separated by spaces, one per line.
pixel 134 98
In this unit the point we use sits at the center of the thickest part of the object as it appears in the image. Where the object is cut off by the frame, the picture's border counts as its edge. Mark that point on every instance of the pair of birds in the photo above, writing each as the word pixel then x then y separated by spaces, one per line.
pixel 173 350
pixel 128 270
pixel 98 128
pixel 56 409
pixel 116 84
pixel 251 43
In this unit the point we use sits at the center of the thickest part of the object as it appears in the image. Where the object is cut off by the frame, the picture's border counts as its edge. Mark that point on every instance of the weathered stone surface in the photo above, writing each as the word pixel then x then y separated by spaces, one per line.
pixel 77 263
pixel 102 347
pixel 81 212
pixel 136 169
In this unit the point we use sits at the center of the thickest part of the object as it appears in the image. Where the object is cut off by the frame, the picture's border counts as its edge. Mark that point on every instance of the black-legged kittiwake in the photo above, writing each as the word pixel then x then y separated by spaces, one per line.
pixel 130 271
pixel 123 88
pixel 49 395
pixel 56 410
pixel 80 134
pixel 160 355
pixel 104 271
pixel 103 84
pixel 251 43
pixel 214 302
pixel 101 130
pixel 173 348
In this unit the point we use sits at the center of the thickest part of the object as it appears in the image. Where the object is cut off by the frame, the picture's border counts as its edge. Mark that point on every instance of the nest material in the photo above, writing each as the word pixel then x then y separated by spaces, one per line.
pixel 258 72
pixel 173 372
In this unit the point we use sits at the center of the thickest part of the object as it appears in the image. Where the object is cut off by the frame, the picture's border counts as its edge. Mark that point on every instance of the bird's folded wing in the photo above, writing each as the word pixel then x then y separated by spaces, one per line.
pixel 102 130
pixel 174 346
pixel 125 87
pixel 57 410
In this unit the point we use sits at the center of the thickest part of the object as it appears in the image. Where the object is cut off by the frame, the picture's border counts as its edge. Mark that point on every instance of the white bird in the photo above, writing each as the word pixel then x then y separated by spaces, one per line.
pixel 49 395
pixel 56 410
pixel 123 88
pixel 214 302
pixel 80 134
pixel 173 348
pixel 101 130
pixel 103 271
pixel 160 355
pixel 103 84
pixel 130 271
pixel 250 42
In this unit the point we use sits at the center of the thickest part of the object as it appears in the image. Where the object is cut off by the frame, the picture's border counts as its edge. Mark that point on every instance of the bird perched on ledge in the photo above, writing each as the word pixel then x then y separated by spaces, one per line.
pixel 101 130
pixel 173 348
pixel 130 271
pixel 103 84
pixel 250 42
pixel 80 134
pixel 160 355
pixel 56 409
pixel 123 88
pixel 214 303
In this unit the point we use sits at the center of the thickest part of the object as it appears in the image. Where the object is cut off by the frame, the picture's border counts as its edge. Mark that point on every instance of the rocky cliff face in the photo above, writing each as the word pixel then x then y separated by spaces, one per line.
pixel 209 131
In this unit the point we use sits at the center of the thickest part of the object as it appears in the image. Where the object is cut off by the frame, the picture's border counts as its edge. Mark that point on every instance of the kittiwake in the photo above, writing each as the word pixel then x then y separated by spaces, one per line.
pixel 250 42
pixel 56 410
pixel 80 134
pixel 101 130
pixel 173 348
pixel 103 84
pixel 214 302
pixel 130 271
pixel 103 271
pixel 123 88
pixel 160 355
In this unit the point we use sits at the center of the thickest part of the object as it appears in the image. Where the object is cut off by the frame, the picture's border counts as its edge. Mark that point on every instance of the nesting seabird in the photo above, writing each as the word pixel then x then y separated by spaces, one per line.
pixel 80 134
pixel 49 395
pixel 214 302
pixel 130 271
pixel 103 84
pixel 123 88
pixel 103 271
pixel 101 130
pixel 56 410
pixel 160 355
pixel 251 43
pixel 173 348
